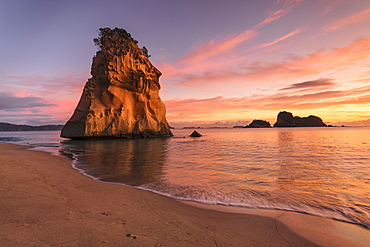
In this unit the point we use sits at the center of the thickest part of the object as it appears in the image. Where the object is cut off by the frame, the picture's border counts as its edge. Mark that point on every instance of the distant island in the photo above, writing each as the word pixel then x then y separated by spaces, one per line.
pixel 286 119
pixel 258 124
pixel 23 127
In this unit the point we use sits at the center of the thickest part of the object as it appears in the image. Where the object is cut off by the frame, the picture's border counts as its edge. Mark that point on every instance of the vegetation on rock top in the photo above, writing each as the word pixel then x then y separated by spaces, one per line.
pixel 106 32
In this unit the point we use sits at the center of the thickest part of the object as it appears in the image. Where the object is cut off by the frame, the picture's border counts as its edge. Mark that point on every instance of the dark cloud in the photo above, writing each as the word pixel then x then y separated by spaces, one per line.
pixel 311 84
pixel 10 102
pixel 31 119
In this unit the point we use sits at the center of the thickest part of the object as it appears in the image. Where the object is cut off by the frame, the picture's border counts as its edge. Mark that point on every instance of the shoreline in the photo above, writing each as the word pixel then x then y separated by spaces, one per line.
pixel 45 202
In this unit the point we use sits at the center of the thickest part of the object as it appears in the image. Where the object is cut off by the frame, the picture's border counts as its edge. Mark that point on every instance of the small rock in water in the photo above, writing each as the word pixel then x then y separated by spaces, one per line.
pixel 195 134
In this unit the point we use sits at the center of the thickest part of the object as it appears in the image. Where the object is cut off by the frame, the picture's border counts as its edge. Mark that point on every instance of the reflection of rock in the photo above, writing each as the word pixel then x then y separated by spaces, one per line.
pixel 286 119
pixel 258 124
pixel 133 162
pixel 122 98
pixel 195 134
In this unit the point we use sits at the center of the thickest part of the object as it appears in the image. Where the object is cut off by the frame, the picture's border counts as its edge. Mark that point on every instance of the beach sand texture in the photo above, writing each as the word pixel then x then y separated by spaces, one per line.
pixel 44 202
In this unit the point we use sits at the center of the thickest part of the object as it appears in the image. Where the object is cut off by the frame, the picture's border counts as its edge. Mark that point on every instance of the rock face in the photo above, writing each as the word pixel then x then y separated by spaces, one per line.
pixel 286 119
pixel 121 100
pixel 259 124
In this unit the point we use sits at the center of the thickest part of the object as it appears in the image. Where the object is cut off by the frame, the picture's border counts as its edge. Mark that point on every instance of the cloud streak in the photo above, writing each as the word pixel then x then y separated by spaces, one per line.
pixel 209 54
pixel 278 39
pixel 350 20
pixel 277 14
pixel 292 67
pixel 216 48
pixel 323 82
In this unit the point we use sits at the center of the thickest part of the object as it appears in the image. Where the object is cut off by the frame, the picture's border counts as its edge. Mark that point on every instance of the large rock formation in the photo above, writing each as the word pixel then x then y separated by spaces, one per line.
pixel 121 100
pixel 286 119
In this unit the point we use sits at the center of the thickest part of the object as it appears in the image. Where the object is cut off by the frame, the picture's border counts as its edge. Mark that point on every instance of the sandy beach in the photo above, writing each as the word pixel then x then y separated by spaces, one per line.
pixel 44 202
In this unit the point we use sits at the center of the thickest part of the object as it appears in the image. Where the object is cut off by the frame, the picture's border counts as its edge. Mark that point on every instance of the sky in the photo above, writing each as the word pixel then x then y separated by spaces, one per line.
pixel 223 63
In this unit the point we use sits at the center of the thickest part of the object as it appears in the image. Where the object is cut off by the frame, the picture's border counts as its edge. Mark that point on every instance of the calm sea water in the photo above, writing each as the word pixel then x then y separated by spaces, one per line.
pixel 319 171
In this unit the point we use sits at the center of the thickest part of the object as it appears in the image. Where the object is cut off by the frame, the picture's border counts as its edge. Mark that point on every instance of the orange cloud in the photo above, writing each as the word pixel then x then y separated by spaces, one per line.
pixel 218 107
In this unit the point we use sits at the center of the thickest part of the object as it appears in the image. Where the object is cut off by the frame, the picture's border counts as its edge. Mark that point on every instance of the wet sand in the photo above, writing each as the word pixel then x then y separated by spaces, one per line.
pixel 44 202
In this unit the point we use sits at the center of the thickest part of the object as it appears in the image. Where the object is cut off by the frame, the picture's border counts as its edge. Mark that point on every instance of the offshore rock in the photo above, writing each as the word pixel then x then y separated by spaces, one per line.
pixel 286 119
pixel 121 100
pixel 259 124
pixel 195 134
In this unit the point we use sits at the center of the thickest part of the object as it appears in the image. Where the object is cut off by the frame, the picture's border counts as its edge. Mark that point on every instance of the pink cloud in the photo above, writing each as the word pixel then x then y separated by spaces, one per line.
pixel 289 2
pixel 204 64
pixel 273 16
pixel 350 20
pixel 277 14
pixel 217 48
pixel 278 39
pixel 50 98
pixel 69 83
pixel 203 56
pixel 292 67
pixel 208 55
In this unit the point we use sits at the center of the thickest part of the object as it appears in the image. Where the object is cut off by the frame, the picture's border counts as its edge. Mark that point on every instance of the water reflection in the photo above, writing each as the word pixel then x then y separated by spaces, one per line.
pixel 305 172
pixel 321 171
pixel 287 166
pixel 133 162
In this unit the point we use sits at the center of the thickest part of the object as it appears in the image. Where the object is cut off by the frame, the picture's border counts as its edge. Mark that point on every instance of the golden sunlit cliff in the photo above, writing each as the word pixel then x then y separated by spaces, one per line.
pixel 121 99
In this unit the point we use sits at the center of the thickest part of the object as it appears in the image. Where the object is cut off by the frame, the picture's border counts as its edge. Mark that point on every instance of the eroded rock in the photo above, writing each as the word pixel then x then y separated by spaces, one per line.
pixel 121 99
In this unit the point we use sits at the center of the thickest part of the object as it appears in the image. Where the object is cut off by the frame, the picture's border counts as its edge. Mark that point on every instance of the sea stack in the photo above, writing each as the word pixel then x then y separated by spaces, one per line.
pixel 121 99
pixel 286 119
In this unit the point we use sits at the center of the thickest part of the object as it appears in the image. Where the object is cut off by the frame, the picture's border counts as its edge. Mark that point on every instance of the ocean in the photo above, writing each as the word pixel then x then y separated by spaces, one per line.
pixel 319 171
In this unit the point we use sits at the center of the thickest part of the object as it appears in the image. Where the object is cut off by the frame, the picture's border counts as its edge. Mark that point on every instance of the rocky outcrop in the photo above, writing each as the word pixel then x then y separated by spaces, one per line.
pixel 195 134
pixel 286 119
pixel 121 100
pixel 259 124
